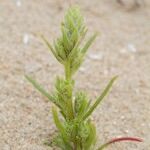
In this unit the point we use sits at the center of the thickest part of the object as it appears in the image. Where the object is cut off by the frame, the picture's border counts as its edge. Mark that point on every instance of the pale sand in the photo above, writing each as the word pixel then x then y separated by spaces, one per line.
pixel 123 48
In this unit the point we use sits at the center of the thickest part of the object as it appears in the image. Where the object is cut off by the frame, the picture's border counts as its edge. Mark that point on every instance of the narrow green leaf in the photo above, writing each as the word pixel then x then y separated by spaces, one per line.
pixel 60 51
pixel 77 63
pixel 39 87
pixel 88 43
pixel 100 98
pixel 65 38
pixel 91 138
pixel 49 45
pixel 61 128
pixel 51 48
pixel 81 104
pixel 41 90
pixel 83 34
pixel 83 107
pixel 58 123
pixel 76 47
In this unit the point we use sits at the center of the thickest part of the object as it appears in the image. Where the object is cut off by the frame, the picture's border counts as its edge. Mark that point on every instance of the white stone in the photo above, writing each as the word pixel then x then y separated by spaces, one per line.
pixel 95 56
pixel 126 131
pixel 131 48
pixel 18 3
pixel 25 38
pixel 123 51
pixel 122 117
pixel 82 69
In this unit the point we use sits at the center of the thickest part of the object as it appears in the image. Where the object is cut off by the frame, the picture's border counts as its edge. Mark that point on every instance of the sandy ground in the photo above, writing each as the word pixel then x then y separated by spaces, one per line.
pixel 123 48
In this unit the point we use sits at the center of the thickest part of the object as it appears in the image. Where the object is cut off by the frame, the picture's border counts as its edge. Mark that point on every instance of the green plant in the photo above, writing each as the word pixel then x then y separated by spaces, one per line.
pixel 72 111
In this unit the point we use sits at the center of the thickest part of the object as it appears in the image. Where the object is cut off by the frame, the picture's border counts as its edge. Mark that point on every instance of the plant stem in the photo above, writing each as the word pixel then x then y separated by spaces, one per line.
pixel 75 146
pixel 70 100
pixel 68 71
pixel 119 140
pixel 69 80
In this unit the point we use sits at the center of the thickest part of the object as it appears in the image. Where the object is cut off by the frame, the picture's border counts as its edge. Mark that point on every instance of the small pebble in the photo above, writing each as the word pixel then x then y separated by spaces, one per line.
pixel 122 117
pixel 126 131
pixel 95 56
pixel 143 124
pixel 18 3
pixel 114 123
pixel 137 91
pixel 26 38
pixel 29 123
pixel 131 48
pixel 82 69
pixel 123 51
pixel 106 72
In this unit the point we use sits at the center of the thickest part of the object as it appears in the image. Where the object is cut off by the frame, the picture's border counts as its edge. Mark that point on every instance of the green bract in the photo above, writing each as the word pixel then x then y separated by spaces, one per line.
pixel 71 111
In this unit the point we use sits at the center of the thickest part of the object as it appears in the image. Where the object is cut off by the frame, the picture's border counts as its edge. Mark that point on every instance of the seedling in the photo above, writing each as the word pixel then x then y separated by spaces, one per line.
pixel 71 111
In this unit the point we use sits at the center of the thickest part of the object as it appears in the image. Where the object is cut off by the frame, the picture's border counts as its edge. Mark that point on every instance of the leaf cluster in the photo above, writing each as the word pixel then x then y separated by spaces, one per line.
pixel 68 48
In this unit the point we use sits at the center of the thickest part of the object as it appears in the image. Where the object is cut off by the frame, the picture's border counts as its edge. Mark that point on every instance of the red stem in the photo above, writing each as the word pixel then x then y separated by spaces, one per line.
pixel 125 139
pixel 119 140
